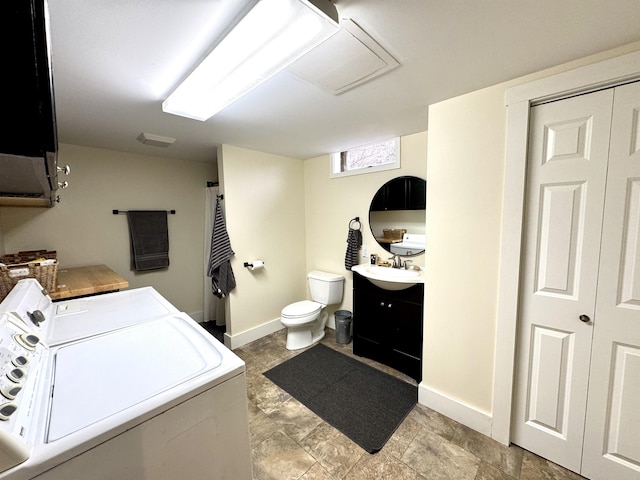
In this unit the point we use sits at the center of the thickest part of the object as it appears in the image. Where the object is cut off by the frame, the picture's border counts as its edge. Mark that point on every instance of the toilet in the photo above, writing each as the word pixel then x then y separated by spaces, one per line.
pixel 305 320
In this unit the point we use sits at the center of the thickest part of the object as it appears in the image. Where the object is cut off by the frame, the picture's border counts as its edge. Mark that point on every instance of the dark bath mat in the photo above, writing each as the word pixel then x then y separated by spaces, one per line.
pixel 365 404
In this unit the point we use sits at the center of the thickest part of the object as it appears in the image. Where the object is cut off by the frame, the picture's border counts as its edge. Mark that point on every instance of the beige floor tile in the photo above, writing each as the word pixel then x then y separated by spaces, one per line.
pixel 316 472
pixel 280 458
pixel 434 421
pixel 261 426
pixel 402 438
pixel 489 472
pixel 507 459
pixel 295 419
pixel 537 468
pixel 439 459
pixel 264 394
pixel 381 466
pixel 335 452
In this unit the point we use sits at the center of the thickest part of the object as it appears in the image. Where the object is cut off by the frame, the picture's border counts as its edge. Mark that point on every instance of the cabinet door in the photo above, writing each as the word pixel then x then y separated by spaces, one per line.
pixel 405 325
pixel 396 193
pixel 369 326
pixel 416 194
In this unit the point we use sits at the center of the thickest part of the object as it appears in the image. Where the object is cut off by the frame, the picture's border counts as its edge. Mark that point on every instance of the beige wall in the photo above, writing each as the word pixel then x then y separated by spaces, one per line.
pixel 464 195
pixel 332 202
pixel 84 231
pixel 465 171
pixel 264 211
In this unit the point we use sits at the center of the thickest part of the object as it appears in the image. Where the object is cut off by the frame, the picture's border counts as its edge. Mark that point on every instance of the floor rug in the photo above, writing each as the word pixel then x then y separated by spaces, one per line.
pixel 365 404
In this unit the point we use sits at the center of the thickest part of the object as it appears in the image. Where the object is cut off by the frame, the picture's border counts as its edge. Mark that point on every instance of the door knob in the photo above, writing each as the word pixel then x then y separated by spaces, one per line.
pixel 584 318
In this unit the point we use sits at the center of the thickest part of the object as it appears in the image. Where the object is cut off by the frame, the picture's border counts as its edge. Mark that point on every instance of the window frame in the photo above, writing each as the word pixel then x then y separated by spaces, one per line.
pixel 335 159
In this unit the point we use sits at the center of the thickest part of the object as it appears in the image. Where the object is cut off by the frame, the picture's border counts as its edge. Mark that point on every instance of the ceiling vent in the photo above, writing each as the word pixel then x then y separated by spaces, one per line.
pixel 344 61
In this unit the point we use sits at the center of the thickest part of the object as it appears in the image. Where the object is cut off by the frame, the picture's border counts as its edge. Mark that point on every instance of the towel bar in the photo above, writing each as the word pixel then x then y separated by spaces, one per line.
pixel 116 212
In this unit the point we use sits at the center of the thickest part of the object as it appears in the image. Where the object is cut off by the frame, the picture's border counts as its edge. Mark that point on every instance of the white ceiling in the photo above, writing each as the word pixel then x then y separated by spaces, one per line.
pixel 115 61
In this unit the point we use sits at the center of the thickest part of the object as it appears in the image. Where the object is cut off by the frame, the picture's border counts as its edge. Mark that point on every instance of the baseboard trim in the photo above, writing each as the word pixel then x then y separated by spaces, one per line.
pixel 454 409
pixel 197 316
pixel 255 333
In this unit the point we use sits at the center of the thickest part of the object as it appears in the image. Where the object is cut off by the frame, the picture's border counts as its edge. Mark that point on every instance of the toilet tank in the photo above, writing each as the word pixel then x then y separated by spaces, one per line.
pixel 326 288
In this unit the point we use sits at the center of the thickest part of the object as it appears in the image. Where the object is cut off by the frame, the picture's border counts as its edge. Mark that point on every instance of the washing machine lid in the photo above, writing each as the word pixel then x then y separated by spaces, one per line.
pixel 101 376
pixel 84 317
pixel 301 309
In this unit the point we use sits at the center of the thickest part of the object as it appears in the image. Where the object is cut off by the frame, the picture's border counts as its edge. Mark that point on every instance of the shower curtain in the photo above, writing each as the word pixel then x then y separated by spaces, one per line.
pixel 213 309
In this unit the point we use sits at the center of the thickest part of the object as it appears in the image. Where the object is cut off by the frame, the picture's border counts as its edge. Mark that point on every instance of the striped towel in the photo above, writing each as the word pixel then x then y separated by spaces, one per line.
pixel 354 242
pixel 220 271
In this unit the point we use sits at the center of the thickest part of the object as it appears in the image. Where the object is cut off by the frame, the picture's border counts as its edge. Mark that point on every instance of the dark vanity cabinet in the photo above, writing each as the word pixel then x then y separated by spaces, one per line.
pixel 387 325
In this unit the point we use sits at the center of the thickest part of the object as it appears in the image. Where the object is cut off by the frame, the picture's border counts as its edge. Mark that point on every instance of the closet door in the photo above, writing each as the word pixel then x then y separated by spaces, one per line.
pixel 567 168
pixel 612 437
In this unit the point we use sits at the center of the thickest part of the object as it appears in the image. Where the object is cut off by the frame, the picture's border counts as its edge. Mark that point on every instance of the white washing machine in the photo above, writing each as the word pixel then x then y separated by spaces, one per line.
pixel 159 399
pixel 412 243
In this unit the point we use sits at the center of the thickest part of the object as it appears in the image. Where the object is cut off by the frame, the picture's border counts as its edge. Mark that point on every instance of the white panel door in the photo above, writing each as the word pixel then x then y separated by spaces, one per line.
pixel 568 152
pixel 612 436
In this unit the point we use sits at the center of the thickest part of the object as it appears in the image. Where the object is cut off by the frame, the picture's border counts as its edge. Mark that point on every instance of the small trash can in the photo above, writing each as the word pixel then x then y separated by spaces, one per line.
pixel 343 326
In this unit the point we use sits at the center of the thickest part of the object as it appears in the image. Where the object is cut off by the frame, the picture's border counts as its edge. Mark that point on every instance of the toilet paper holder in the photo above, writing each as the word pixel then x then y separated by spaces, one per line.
pixel 250 265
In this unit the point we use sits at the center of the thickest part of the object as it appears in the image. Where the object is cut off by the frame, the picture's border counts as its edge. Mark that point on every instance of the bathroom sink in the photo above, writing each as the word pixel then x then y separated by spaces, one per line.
pixel 390 278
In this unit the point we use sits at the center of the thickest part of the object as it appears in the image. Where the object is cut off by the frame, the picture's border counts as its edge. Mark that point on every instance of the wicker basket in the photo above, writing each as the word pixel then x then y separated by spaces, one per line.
pixel 18 266
pixel 394 234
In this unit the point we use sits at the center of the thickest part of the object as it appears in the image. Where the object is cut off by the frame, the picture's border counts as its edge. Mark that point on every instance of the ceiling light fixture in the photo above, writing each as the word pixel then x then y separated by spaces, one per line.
pixel 155 140
pixel 274 34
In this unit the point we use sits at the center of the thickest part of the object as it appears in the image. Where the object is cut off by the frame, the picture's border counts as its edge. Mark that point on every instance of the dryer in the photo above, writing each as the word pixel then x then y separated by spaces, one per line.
pixel 68 320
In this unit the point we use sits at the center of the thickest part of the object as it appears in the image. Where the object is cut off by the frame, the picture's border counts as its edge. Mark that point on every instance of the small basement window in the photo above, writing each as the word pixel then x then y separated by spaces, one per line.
pixel 366 159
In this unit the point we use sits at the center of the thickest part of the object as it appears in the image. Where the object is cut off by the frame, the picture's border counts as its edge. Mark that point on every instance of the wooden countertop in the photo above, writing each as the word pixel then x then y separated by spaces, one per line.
pixel 75 282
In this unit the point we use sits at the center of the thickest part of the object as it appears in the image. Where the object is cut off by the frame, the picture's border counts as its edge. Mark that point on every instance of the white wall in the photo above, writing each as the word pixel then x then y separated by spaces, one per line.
pixel 83 230
pixel 332 202
pixel 265 217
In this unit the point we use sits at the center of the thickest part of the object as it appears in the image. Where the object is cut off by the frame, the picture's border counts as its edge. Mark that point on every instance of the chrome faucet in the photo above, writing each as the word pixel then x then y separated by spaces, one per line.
pixel 396 261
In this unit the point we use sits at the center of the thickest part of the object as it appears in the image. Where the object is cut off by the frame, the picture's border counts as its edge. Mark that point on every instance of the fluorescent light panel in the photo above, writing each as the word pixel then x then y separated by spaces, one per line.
pixel 274 34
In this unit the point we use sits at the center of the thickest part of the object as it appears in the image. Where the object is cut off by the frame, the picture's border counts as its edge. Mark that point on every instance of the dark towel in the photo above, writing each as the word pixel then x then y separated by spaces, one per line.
pixel 220 271
pixel 149 235
pixel 354 242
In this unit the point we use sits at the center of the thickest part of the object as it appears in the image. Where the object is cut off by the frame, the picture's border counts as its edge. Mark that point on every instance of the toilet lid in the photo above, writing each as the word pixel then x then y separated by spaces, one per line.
pixel 301 309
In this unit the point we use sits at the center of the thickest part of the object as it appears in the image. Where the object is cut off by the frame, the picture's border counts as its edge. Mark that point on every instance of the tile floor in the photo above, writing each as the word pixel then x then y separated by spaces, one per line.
pixel 290 442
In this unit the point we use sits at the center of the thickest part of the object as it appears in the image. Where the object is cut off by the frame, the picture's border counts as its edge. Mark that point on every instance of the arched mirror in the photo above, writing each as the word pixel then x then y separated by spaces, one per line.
pixel 397 215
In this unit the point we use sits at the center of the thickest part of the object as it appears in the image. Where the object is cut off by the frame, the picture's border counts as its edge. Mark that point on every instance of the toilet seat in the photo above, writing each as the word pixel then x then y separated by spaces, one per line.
pixel 301 310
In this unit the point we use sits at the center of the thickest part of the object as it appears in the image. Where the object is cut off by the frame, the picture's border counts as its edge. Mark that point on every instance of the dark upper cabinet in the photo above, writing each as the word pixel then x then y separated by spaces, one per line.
pixel 28 142
pixel 401 193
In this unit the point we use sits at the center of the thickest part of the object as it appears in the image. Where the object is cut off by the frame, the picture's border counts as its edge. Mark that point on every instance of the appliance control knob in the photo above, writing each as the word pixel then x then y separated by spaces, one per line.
pixel 11 391
pixel 16 375
pixel 7 409
pixel 20 361
pixel 37 317
pixel 27 340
